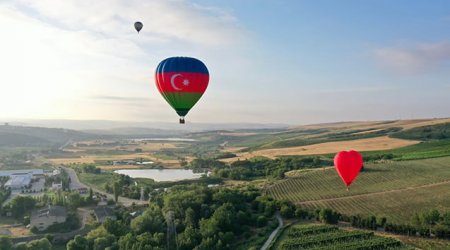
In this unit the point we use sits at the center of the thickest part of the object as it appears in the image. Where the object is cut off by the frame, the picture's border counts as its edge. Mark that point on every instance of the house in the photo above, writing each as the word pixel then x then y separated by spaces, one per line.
pixel 57 186
pixel 43 218
pixel 103 213
pixel 56 171
pixel 18 181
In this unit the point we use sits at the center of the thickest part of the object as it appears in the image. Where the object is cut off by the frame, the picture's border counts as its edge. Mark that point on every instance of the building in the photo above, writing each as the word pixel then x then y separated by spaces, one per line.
pixel 103 213
pixel 57 186
pixel 43 218
pixel 56 171
pixel 18 181
pixel 35 173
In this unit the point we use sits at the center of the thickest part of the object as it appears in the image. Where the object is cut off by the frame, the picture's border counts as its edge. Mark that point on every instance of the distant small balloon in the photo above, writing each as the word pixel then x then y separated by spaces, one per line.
pixel 138 26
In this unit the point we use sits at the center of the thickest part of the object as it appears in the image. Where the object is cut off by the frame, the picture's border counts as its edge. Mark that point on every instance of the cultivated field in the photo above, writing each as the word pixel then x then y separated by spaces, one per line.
pixel 388 189
pixel 370 144
pixel 100 152
pixel 319 236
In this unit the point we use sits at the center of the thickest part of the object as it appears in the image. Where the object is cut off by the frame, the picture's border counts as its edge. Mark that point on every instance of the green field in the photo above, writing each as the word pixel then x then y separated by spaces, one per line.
pixel 423 150
pixel 96 180
pixel 397 207
pixel 373 192
pixel 319 236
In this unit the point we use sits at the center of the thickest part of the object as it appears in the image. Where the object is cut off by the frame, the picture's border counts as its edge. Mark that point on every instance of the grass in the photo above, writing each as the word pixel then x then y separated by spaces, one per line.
pixel 423 150
pixel 311 189
pixel 96 180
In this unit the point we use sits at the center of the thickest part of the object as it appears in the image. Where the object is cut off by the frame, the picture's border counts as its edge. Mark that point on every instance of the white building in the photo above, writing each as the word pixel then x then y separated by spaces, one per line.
pixel 43 218
pixel 57 186
pixel 56 171
pixel 18 181
pixel 35 173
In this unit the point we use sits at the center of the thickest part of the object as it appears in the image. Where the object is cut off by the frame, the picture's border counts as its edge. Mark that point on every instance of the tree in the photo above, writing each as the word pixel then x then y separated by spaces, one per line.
pixel 20 246
pixel 225 216
pixel 287 211
pixel 104 242
pixel 188 239
pixel 189 218
pixel 430 218
pixel 99 232
pixel 261 221
pixel 126 242
pixel 79 243
pixel 42 244
pixel 117 191
pixel 90 198
pixel 21 205
pixel 5 243
pixel 74 200
pixel 151 221
pixel 327 215
pixel 49 237
pixel 115 227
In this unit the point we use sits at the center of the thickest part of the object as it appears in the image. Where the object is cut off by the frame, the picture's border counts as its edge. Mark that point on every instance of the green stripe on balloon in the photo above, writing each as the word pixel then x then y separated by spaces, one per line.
pixel 182 102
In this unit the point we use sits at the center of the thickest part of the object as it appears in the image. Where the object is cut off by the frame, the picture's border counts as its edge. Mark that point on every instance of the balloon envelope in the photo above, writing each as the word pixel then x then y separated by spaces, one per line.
pixel 348 165
pixel 138 26
pixel 181 81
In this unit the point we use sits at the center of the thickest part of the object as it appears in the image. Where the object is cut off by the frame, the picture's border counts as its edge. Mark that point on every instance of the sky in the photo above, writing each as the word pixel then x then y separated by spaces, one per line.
pixel 270 61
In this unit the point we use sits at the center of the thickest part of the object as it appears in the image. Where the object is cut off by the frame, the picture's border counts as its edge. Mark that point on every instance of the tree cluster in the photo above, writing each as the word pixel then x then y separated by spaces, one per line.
pixel 259 167
pixel 186 217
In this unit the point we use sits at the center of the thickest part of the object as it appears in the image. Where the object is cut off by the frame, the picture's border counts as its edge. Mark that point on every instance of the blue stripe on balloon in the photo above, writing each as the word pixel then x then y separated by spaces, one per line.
pixel 181 64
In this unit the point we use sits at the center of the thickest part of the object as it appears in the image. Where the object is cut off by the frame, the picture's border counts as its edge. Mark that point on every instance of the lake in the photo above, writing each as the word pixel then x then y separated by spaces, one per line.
pixel 164 139
pixel 161 174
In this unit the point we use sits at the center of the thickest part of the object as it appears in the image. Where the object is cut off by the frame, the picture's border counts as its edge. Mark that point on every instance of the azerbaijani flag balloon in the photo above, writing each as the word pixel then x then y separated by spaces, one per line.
pixel 181 81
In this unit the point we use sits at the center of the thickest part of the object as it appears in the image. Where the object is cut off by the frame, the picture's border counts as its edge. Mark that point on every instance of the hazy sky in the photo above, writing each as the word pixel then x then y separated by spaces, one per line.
pixel 270 61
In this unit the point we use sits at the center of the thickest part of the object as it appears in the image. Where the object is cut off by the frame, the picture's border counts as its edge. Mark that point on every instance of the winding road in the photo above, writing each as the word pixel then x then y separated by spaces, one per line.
pixel 274 233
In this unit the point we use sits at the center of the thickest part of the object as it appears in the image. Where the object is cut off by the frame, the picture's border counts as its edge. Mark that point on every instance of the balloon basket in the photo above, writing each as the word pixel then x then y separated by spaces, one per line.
pixel 181 120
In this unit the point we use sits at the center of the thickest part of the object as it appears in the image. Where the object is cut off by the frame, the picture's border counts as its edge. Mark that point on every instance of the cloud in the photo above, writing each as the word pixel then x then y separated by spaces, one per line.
pixel 358 89
pixel 119 98
pixel 57 55
pixel 168 20
pixel 418 59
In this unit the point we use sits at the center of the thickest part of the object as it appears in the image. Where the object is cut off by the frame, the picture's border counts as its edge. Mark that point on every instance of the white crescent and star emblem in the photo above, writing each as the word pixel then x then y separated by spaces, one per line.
pixel 174 86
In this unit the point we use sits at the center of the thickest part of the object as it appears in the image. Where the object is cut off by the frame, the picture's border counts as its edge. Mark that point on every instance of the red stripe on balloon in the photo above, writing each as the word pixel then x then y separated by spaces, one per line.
pixel 182 82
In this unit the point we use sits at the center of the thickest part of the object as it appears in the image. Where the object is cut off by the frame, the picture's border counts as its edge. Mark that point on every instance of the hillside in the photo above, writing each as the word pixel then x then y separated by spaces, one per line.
pixel 330 138
pixel 38 136
pixel 395 190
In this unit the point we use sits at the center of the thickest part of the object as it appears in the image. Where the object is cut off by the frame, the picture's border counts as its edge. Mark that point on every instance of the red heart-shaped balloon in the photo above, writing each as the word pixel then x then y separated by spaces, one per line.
pixel 348 164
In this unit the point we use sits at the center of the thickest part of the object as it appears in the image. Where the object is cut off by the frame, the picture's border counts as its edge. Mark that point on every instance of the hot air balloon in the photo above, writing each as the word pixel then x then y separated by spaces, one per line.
pixel 181 81
pixel 348 164
pixel 138 26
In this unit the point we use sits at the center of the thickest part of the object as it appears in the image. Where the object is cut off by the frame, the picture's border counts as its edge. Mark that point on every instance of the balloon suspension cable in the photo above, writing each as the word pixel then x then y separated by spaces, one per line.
pixel 181 120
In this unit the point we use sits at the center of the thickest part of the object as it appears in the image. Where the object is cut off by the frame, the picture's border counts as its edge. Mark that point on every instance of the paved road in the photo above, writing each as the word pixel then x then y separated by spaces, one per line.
pixel 274 233
pixel 75 183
